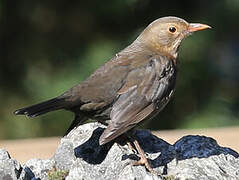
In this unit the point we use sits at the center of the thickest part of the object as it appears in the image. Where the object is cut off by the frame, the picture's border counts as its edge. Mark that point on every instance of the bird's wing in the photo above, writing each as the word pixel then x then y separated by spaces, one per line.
pixel 137 99
pixel 100 89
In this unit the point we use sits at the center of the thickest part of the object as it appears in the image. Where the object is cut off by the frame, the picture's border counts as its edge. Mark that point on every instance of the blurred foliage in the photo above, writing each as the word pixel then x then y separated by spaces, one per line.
pixel 49 46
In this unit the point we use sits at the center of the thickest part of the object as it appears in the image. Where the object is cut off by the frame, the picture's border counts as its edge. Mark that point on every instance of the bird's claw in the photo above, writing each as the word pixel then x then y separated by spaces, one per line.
pixel 144 162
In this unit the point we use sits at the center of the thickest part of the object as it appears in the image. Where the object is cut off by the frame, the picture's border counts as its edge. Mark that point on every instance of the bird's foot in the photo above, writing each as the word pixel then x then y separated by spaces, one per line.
pixel 143 160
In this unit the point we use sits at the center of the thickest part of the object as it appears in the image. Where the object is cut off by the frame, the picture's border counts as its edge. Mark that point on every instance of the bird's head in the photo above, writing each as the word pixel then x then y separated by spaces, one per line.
pixel 166 34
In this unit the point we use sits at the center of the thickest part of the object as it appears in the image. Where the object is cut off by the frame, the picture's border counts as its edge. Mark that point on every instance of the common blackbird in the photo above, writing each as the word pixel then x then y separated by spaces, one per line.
pixel 133 86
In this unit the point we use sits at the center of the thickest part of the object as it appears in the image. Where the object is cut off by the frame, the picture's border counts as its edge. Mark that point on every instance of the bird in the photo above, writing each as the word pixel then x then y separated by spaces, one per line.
pixel 130 88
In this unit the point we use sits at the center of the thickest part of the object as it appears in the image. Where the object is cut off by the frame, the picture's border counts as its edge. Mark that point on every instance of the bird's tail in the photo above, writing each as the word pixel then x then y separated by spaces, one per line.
pixel 42 108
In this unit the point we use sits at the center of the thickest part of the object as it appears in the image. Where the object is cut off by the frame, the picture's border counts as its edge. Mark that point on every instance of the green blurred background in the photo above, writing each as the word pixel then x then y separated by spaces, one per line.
pixel 49 46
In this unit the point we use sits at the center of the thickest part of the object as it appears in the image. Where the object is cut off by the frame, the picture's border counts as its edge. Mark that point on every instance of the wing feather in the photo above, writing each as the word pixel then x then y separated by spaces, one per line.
pixel 136 100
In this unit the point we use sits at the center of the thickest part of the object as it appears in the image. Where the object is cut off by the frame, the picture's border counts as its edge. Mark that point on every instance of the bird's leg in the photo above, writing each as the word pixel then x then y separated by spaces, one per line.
pixel 131 147
pixel 143 160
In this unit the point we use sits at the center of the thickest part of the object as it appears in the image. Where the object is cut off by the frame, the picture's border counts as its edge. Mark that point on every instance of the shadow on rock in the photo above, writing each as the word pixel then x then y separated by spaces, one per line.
pixel 158 151
pixel 91 151
pixel 29 175
pixel 187 147
pixel 201 147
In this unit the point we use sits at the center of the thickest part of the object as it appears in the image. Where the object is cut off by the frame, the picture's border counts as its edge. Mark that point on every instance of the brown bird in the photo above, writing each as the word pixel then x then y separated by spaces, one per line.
pixel 133 86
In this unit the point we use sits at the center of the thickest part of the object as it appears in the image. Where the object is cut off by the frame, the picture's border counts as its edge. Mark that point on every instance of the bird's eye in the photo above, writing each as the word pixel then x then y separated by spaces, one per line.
pixel 172 29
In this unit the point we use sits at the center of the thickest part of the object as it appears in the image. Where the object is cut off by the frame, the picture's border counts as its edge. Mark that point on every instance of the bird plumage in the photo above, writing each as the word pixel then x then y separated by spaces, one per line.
pixel 133 86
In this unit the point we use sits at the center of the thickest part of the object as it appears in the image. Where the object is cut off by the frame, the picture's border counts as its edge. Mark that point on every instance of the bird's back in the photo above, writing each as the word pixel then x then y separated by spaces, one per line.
pixel 102 88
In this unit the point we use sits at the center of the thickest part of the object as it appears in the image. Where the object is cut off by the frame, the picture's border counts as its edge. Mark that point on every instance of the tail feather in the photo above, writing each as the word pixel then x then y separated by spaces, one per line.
pixel 42 108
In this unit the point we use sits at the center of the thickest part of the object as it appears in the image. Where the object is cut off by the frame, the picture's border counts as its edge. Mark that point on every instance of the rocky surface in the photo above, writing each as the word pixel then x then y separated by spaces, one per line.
pixel 79 156
pixel 9 168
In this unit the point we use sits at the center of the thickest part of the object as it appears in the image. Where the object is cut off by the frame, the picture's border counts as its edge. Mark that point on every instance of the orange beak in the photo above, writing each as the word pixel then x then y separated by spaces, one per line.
pixel 197 27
